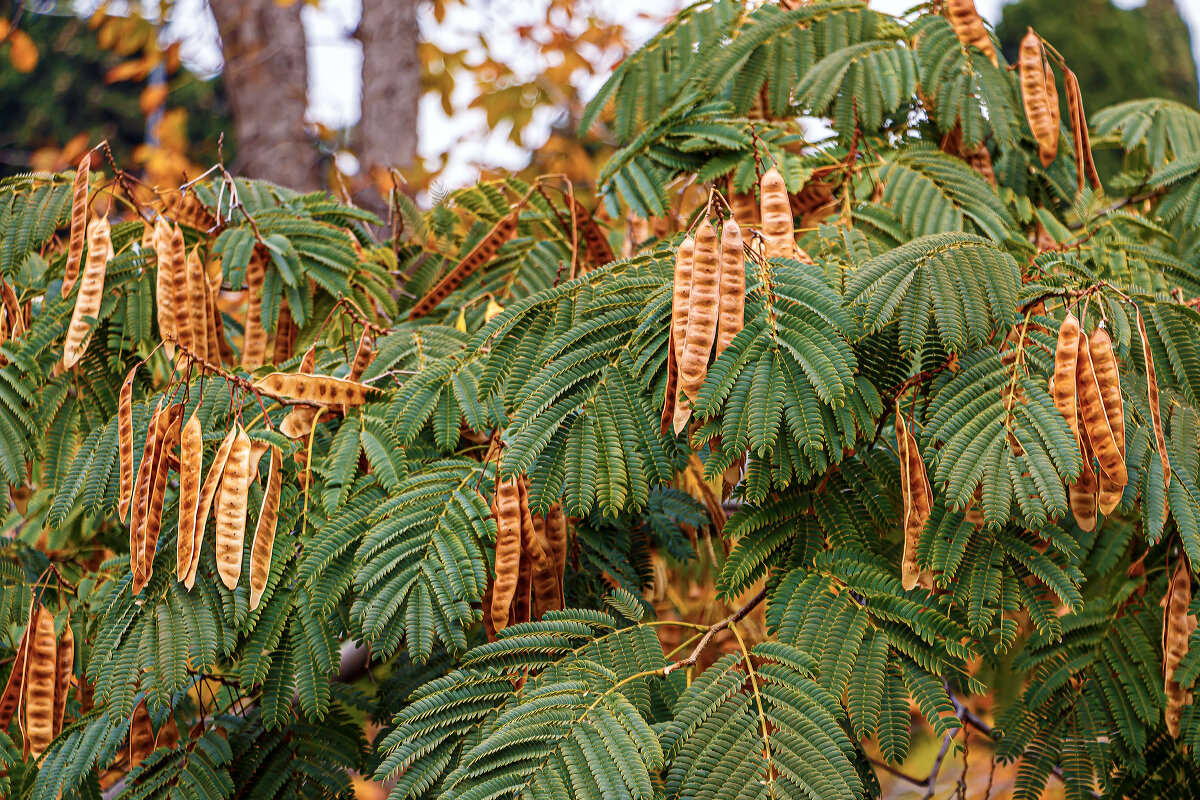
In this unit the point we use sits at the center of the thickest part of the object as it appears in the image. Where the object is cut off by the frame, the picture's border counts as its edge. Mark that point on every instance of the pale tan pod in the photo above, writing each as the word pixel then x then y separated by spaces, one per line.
pixel 285 335
pixel 164 447
pixel 779 235
pixel 231 510
pixel 1040 97
pixel 208 493
pixel 1084 493
pixel 321 390
pixel 680 294
pixel 299 422
pixel 507 510
pixel 63 675
pixel 197 306
pixel 141 489
pixel 258 448
pixel 1108 376
pixel 90 294
pixel 191 463
pixel 733 286
pixel 254 340
pixel 703 311
pixel 264 532
pixel 1108 495
pixel 1066 356
pixel 125 443
pixel 1096 421
pixel 164 284
pixel 1178 625
pixel 79 209
pixel 184 330
pixel 41 667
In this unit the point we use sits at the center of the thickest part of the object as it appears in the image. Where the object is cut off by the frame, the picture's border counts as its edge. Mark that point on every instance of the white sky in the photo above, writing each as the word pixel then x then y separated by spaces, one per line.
pixel 335 61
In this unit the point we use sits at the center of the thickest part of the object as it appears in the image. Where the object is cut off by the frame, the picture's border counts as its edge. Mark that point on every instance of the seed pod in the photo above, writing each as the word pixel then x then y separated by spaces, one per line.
pixel 1085 167
pixel 213 273
pixel 197 306
pixel 214 328
pixel 918 500
pixel 681 293
pixel 1040 96
pixel 363 356
pixel 969 27
pixel 165 447
pixel 91 293
pixel 63 674
pixel 599 251
pixel 742 204
pixel 671 395
pixel 299 422
pixel 683 413
pixel 14 689
pixel 556 544
pixel 544 589
pixel 1160 441
pixel 257 449
pixel 733 285
pixel 141 736
pixel 125 443
pixel 1108 495
pixel 231 510
pixel 1083 493
pixel 41 666
pixel 184 329
pixel 320 390
pixel 191 463
pixel 480 254
pixel 285 335
pixel 141 488
pixel 186 209
pixel 308 362
pixel 208 493
pixel 254 338
pixel 1178 625
pixel 1066 355
pixel 779 237
pixel 79 209
pixel 164 281
pixel 13 309
pixel 264 532
pixel 1104 362
pixel 507 511
pixel 1096 419
pixel 702 312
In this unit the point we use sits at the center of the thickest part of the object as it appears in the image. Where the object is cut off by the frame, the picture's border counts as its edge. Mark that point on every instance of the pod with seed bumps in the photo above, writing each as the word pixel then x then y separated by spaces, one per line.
pixel 231 510
pixel 90 294
pixel 507 510
pixel 779 235
pixel 733 285
pixel 703 311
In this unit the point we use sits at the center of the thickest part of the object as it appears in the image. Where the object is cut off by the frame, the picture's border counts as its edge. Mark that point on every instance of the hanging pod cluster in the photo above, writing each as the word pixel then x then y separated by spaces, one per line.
pixel 42 671
pixel 1039 95
pixel 531 558
pixel 186 290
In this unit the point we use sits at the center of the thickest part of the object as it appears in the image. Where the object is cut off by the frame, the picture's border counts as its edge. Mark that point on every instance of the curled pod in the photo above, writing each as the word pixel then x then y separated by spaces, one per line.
pixel 141 489
pixel 1066 356
pixel 502 232
pixel 703 311
pixel 185 333
pixel 1085 167
pixel 125 443
pixel 1039 97
pixel 1178 625
pixel 13 309
pixel 969 27
pixel 556 544
pixel 507 511
pixel 1083 494
pixel 918 500
pixel 254 338
pixel 164 281
pixel 231 510
pixel 191 465
pixel 733 286
pixel 681 293
pixel 64 672
pixel 779 236
pixel 671 393
pixel 90 293
pixel 364 354
pixel 141 736
pixel 321 390
pixel 257 449
pixel 79 209
pixel 1096 419
pixel 299 422
pixel 264 532
pixel 14 689
pixel 208 493
pixel 1160 441
pixel 41 666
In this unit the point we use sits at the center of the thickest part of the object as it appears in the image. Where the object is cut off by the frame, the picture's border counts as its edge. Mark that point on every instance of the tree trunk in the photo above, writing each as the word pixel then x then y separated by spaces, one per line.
pixel 386 135
pixel 266 76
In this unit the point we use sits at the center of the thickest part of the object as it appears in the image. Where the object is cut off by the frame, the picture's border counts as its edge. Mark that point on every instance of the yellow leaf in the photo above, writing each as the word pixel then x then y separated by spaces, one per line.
pixel 461 322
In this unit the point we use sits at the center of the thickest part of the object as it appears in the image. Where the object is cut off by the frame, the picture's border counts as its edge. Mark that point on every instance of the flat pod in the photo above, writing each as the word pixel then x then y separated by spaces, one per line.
pixel 681 292
pixel 703 311
pixel 1160 442
pixel 125 443
pixel 285 335
pixel 208 493
pixel 507 511
pixel 1085 167
pixel 168 439
pixel 1108 378
pixel 557 543
pixel 779 236
pixel 299 422
pixel 231 510
pixel 480 254
pixel 321 390
pixel 197 306
pixel 63 674
pixel 1108 494
pixel 191 463
pixel 1095 418
pixel 1083 493
pixel 1039 98
pixel 141 735
pixel 1178 625
pixel 969 27
pixel 41 666
pixel 1066 356
pixel 90 294
pixel 185 331
pixel 254 339
pixel 14 689
pixel 671 393
pixel 264 532
pixel 364 354
pixel 733 286
pixel 79 208
pixel 918 500
pixel 164 281
pixel 141 488
pixel 599 251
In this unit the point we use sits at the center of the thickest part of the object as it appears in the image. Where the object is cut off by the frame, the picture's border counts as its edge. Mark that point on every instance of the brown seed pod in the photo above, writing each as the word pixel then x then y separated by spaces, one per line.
pixel 599 251
pixel 1040 96
pixel 1104 362
pixel 702 312
pixel 557 543
pixel 41 667
pixel 64 672
pixel 742 204
pixel 91 292
pixel 918 500
pixel 1178 625
pixel 164 283
pixel 231 510
pixel 543 587
pixel 79 210
pixel 214 327
pixel 141 736
pixel 1108 495
pixel 507 511
pixel 254 340
pixel 13 310
pixel 1109 450
pixel 684 258
pixel 197 306
pixel 969 27
pixel 1084 493
pixel 320 390
pixel 180 294
pixel 480 254
pixel 125 443
pixel 213 273
pixel 671 395
pixel 1066 356
pixel 299 422
pixel 164 447
pixel 364 354
pixel 264 532
pixel 1160 441
pixel 208 493
pixel 186 209
pixel 779 237
pixel 257 449
pixel 14 689
pixel 191 462
pixel 285 335
pixel 141 488
pixel 1085 167
pixel 733 285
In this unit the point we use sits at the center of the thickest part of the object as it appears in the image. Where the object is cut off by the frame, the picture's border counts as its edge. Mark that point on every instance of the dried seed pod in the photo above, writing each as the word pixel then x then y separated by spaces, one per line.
pixel 1104 363
pixel 543 586
pixel 152 523
pixel 64 672
pixel 364 354
pixel 671 394
pixel 91 292
pixel 79 209
pixel 557 543
pixel 480 254
pixel 12 308
pixel 141 736
pixel 257 449
pixel 1085 167
pixel 779 236
pixel 214 328
pixel 918 500
pixel 1040 96
pixel 41 667
pixel 681 293
pixel 702 312
pixel 733 286
pixel 969 27
pixel 299 422
pixel 231 510
pixel 187 209
pixel 125 443
pixel 164 283
pixel 185 332
pixel 683 413
pixel 1083 494
pixel 1160 442
pixel 285 335
pixel 1097 422
pixel 254 339
pixel 208 493
pixel 191 462
pixel 197 306
pixel 1108 495
pixel 1178 625
pixel 213 273
pixel 142 486
pixel 507 511
pixel 742 204
pixel 14 689
pixel 1066 356
pixel 264 532
pixel 320 390
pixel 599 251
